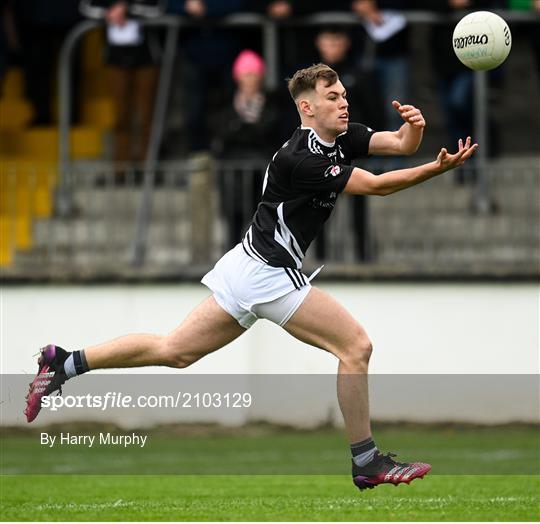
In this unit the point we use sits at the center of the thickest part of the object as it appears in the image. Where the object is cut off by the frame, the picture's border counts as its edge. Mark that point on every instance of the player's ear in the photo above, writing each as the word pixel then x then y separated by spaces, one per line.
pixel 304 106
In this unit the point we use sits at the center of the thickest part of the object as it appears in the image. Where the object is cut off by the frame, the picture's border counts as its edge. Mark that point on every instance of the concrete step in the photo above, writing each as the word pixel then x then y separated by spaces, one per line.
pixel 124 202
pixel 515 257
pixel 93 256
pixel 453 228
pixel 102 232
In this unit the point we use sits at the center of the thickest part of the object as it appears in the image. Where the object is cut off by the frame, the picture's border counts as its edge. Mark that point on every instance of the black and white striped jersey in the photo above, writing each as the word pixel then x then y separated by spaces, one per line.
pixel 300 190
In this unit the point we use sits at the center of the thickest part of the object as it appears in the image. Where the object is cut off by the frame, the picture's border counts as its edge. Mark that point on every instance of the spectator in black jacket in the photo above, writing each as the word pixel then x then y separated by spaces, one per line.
pixel 209 52
pixel 247 131
pixel 333 45
pixel 455 82
pixel 42 26
pixel 248 122
pixel 133 74
pixel 295 40
pixel 388 32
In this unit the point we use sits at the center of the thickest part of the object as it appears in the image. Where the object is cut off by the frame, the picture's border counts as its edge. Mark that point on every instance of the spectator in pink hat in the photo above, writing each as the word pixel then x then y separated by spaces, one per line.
pixel 248 130
pixel 248 63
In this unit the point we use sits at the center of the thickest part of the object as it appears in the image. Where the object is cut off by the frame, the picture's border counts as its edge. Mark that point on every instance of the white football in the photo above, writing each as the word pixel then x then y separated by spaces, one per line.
pixel 482 40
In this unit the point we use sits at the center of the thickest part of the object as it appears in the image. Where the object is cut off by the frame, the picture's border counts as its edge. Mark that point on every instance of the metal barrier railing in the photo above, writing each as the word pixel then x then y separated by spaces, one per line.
pixel 64 198
pixel 64 204
pixel 202 207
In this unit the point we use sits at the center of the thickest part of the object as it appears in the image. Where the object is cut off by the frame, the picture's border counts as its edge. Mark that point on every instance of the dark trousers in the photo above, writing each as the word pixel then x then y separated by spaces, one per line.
pixel 40 52
pixel 133 91
pixel 240 193
pixel 205 87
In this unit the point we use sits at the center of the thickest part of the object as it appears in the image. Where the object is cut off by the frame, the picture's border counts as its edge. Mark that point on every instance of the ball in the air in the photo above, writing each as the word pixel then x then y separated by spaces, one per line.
pixel 482 40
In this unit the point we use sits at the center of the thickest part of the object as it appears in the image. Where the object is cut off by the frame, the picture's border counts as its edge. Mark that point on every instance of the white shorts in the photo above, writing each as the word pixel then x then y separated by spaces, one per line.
pixel 248 289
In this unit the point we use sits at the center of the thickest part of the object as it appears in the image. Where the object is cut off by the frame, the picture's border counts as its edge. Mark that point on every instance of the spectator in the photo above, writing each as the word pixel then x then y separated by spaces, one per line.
pixel 9 45
pixel 333 45
pixel 532 30
pixel 295 40
pixel 455 83
pixel 209 53
pixel 387 28
pixel 42 26
pixel 536 37
pixel 295 47
pixel 132 74
pixel 247 130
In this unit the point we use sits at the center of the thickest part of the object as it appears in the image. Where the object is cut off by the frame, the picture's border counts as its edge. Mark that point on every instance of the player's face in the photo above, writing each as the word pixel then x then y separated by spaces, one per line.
pixel 330 108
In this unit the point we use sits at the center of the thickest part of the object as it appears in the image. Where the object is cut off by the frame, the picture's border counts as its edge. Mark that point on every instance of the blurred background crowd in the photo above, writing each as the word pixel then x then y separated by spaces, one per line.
pixel 222 102
pixel 226 105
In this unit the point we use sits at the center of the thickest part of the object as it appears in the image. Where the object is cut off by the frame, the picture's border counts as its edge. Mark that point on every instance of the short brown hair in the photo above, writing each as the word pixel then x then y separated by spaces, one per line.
pixel 306 79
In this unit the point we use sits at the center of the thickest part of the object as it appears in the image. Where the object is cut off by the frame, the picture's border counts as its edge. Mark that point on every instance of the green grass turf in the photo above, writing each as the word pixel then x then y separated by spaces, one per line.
pixel 271 475
pixel 451 451
pixel 260 498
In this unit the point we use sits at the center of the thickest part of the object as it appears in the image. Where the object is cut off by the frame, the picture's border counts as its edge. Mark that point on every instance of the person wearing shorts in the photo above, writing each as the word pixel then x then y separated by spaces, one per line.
pixel 262 276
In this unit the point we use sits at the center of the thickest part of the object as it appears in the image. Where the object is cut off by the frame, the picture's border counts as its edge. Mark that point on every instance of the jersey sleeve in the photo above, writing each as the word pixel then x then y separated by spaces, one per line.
pixel 317 173
pixel 356 140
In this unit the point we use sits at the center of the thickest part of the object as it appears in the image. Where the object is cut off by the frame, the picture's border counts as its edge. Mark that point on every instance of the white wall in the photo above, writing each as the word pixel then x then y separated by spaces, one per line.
pixel 415 328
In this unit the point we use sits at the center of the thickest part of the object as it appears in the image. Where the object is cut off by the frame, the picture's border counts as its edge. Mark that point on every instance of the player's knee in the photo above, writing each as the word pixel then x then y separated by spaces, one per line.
pixel 172 355
pixel 359 353
pixel 363 350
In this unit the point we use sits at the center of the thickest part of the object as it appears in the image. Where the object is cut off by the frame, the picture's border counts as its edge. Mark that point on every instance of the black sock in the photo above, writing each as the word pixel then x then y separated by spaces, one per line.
pixel 61 355
pixel 75 364
pixel 363 452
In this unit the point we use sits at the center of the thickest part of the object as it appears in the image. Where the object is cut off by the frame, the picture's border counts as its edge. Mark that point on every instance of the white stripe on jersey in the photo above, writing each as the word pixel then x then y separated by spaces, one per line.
pixel 313 144
pixel 266 177
pixel 286 238
pixel 268 167
pixel 247 242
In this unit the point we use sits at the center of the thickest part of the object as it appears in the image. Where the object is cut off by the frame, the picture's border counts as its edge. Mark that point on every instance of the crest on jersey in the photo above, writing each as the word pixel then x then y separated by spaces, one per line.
pixel 332 170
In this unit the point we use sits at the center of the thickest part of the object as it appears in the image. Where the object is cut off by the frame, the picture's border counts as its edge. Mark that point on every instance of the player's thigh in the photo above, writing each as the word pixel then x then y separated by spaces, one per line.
pixel 207 328
pixel 323 322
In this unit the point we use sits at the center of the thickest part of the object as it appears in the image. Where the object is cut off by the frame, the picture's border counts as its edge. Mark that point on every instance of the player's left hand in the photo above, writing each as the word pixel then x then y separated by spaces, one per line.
pixel 446 161
pixel 412 115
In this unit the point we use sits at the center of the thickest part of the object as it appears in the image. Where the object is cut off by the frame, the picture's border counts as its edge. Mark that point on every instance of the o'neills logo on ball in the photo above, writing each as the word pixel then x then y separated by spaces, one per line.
pixel 465 41
pixel 506 36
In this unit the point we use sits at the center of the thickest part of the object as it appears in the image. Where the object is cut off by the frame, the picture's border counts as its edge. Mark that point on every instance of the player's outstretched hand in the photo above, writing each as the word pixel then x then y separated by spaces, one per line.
pixel 445 161
pixel 412 115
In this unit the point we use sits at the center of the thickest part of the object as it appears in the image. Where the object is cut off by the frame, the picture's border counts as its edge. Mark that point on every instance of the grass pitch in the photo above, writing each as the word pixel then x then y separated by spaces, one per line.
pixel 278 476
pixel 267 497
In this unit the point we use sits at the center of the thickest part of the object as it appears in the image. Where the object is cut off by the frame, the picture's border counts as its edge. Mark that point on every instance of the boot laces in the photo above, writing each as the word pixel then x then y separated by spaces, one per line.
pixel 388 458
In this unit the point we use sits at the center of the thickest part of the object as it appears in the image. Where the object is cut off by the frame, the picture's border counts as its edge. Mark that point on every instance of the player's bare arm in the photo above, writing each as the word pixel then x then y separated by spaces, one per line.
pixel 406 140
pixel 363 182
pixel 278 238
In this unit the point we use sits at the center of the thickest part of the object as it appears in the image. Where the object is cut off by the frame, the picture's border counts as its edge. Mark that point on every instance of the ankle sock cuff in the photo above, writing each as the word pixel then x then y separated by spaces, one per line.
pixel 361 447
pixel 79 359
